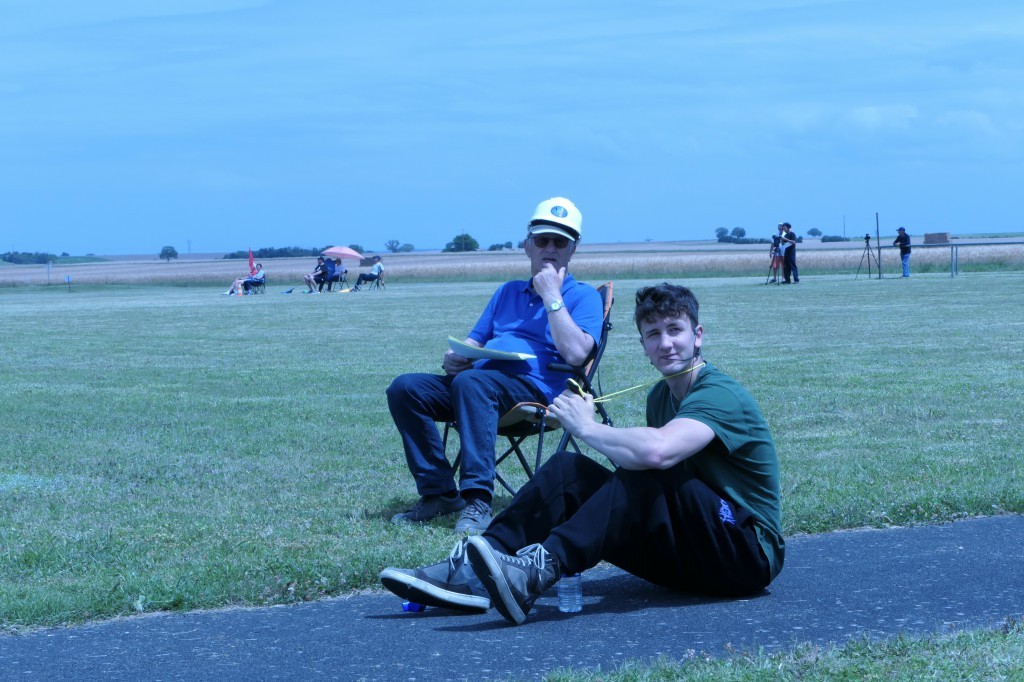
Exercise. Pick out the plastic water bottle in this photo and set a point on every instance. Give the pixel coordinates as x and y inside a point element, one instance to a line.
<point>570,593</point>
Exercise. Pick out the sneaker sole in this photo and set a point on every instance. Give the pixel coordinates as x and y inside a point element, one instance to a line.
<point>413,589</point>
<point>488,569</point>
<point>472,528</point>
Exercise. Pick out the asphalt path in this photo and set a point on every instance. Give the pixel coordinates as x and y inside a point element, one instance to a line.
<point>835,586</point>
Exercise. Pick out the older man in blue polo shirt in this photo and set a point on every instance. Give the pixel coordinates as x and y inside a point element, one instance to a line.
<point>550,316</point>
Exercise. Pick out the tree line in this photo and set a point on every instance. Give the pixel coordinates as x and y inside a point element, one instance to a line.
<point>26,258</point>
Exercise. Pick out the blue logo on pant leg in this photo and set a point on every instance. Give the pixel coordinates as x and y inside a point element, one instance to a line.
<point>725,513</point>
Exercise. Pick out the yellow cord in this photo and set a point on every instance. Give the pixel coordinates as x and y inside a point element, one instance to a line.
<point>617,394</point>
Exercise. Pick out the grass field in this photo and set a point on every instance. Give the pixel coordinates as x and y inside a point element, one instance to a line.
<point>171,448</point>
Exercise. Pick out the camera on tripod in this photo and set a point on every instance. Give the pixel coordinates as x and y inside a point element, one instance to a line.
<point>867,239</point>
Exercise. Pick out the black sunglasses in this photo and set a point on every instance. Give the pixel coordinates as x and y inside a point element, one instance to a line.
<point>542,241</point>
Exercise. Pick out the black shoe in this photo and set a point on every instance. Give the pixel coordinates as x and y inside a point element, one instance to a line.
<point>513,582</point>
<point>429,507</point>
<point>451,584</point>
<point>475,517</point>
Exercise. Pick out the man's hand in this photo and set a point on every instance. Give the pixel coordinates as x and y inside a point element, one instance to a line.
<point>548,283</point>
<point>453,363</point>
<point>574,412</point>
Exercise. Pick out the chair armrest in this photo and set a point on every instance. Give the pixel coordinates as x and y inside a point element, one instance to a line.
<point>571,369</point>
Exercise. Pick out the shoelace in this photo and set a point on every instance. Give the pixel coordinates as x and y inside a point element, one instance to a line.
<point>532,555</point>
<point>475,510</point>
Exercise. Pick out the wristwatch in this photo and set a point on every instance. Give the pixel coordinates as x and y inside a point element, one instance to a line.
<point>555,307</point>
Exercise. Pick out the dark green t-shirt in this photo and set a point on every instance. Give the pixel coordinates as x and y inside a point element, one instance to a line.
<point>741,463</point>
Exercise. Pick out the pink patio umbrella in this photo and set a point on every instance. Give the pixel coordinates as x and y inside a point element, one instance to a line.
<point>342,252</point>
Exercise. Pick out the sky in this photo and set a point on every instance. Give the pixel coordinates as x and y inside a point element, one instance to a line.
<point>218,125</point>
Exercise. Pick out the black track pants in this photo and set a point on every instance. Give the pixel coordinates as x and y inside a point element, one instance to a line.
<point>664,526</point>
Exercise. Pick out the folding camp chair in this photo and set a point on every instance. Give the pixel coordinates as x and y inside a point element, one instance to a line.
<point>377,283</point>
<point>527,420</point>
<point>340,278</point>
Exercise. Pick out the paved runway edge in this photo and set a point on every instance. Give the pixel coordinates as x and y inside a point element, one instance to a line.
<point>919,580</point>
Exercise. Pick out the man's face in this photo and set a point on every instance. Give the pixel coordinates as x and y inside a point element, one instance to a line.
<point>670,343</point>
<point>549,248</point>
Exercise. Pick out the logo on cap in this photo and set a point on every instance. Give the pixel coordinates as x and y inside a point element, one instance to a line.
<point>559,212</point>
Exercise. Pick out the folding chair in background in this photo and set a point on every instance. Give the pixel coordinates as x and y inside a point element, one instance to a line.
<point>528,420</point>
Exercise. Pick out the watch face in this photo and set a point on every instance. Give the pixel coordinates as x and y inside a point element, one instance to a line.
<point>557,305</point>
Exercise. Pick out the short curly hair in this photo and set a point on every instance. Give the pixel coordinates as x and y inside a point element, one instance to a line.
<point>664,301</point>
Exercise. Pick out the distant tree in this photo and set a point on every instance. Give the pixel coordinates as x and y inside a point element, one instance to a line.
<point>65,254</point>
<point>167,253</point>
<point>814,232</point>
<point>462,242</point>
<point>834,238</point>
<point>406,248</point>
<point>392,245</point>
<point>739,232</point>
<point>356,247</point>
<point>721,232</point>
<point>495,247</point>
<point>508,245</point>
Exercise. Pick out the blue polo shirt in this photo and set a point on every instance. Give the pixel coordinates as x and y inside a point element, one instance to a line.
<point>515,320</point>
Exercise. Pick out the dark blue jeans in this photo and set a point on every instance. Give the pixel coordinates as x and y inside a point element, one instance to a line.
<point>474,399</point>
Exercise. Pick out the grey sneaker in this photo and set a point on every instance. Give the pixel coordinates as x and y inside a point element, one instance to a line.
<point>451,584</point>
<point>429,507</point>
<point>475,517</point>
<point>513,582</point>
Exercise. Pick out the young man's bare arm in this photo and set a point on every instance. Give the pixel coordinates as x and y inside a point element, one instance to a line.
<point>636,447</point>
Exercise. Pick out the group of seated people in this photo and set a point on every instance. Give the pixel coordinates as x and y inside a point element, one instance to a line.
<point>327,271</point>
<point>244,285</point>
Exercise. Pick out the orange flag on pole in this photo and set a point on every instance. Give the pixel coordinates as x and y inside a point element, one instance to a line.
<point>252,265</point>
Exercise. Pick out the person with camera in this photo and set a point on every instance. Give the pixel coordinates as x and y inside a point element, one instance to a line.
<point>903,241</point>
<point>775,253</point>
<point>789,254</point>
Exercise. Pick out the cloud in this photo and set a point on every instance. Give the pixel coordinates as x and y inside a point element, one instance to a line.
<point>969,121</point>
<point>883,117</point>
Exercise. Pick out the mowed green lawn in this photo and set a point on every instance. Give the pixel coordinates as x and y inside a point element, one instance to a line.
<point>171,448</point>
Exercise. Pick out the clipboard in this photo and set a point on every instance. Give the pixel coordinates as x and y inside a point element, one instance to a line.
<point>474,353</point>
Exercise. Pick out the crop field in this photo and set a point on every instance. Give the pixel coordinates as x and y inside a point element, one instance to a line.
<point>171,448</point>
<point>623,261</point>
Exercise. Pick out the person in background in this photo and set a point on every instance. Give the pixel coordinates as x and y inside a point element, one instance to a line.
<point>340,275</point>
<point>375,273</point>
<point>789,255</point>
<point>314,279</point>
<point>243,284</point>
<point>903,241</point>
